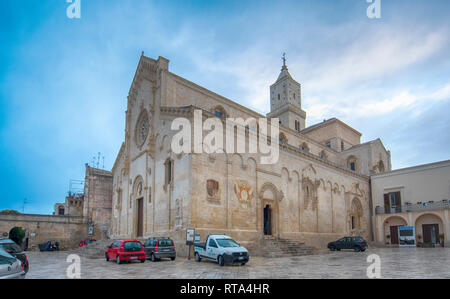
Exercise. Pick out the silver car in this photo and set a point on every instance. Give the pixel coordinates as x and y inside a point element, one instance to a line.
<point>10,267</point>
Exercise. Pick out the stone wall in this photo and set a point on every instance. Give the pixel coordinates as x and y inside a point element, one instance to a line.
<point>67,230</point>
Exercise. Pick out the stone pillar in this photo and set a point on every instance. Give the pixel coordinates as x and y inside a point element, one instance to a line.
<point>446,228</point>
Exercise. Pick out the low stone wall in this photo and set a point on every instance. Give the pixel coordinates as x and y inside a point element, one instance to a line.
<point>67,230</point>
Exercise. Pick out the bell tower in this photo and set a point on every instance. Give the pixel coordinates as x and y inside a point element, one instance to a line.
<point>286,100</point>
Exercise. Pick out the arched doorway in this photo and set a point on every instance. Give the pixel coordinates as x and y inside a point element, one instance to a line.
<point>267,220</point>
<point>138,194</point>
<point>429,226</point>
<point>268,210</point>
<point>391,226</point>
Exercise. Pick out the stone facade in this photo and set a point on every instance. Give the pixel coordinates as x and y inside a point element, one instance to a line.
<point>67,230</point>
<point>311,194</point>
<point>72,219</point>
<point>97,203</point>
<point>423,194</point>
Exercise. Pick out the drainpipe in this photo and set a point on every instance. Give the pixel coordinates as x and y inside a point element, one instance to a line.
<point>372,236</point>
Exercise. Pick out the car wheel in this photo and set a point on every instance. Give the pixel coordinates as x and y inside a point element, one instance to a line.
<point>243,264</point>
<point>26,267</point>
<point>172,258</point>
<point>357,249</point>
<point>332,248</point>
<point>106,257</point>
<point>118,260</point>
<point>142,260</point>
<point>221,261</point>
<point>363,249</point>
<point>153,258</point>
<point>197,257</point>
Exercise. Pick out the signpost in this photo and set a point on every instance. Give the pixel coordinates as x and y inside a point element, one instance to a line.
<point>190,232</point>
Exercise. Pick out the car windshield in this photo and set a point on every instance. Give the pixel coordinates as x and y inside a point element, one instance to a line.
<point>10,247</point>
<point>132,246</point>
<point>165,243</point>
<point>227,243</point>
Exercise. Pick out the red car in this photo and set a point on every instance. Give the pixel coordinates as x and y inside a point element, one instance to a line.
<point>125,250</point>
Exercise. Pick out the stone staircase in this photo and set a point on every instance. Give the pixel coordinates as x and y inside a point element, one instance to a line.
<point>94,250</point>
<point>278,247</point>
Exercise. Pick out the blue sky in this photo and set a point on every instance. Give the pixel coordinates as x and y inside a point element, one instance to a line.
<point>64,82</point>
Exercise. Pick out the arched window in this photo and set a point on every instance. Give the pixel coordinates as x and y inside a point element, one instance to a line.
<point>323,155</point>
<point>168,165</point>
<point>220,112</point>
<point>61,211</point>
<point>297,125</point>
<point>351,163</point>
<point>304,147</point>
<point>356,215</point>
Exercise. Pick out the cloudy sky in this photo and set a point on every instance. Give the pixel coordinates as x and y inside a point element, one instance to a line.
<point>64,82</point>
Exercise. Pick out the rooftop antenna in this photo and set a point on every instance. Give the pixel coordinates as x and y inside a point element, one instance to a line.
<point>103,163</point>
<point>98,160</point>
<point>25,202</point>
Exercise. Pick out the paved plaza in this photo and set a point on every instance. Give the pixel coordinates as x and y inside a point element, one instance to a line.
<point>395,263</point>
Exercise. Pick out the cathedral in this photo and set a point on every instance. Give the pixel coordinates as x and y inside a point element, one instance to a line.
<point>317,192</point>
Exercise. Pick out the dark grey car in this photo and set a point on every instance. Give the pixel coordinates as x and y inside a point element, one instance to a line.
<point>158,248</point>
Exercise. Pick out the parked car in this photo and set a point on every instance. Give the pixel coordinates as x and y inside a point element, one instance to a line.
<point>12,248</point>
<point>355,243</point>
<point>158,248</point>
<point>86,242</point>
<point>125,251</point>
<point>10,266</point>
<point>222,249</point>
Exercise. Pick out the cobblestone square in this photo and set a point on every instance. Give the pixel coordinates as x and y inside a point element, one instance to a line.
<point>395,263</point>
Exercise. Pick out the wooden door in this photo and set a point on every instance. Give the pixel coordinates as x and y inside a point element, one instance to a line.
<point>394,234</point>
<point>430,233</point>
<point>140,216</point>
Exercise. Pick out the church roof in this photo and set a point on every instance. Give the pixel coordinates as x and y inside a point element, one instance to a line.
<point>284,74</point>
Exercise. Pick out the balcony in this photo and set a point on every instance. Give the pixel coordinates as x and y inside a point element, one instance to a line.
<point>418,207</point>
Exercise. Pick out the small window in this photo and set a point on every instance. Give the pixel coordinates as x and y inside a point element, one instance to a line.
<point>169,171</point>
<point>278,97</point>
<point>329,144</point>
<point>342,146</point>
<point>352,166</point>
<point>61,211</point>
<point>218,114</point>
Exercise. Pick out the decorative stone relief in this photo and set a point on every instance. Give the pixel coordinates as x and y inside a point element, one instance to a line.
<point>310,194</point>
<point>179,213</point>
<point>243,191</point>
<point>213,190</point>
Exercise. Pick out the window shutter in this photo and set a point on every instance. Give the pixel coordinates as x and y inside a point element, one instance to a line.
<point>387,205</point>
